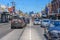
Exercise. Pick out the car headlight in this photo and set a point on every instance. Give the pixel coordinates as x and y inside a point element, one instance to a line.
<point>51,25</point>
<point>47,25</point>
<point>53,33</point>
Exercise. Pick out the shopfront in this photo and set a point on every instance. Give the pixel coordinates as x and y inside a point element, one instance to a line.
<point>4,17</point>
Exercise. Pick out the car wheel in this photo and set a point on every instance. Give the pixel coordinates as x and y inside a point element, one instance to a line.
<point>41,26</point>
<point>12,27</point>
<point>25,25</point>
<point>45,36</point>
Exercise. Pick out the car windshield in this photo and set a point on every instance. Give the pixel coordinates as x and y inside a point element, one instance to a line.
<point>46,20</point>
<point>55,18</point>
<point>56,21</point>
<point>36,18</point>
<point>16,17</point>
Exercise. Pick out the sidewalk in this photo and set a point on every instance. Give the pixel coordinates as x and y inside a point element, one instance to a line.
<point>1,24</point>
<point>5,28</point>
<point>14,35</point>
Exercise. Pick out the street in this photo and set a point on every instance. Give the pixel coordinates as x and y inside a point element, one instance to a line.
<point>33,33</point>
<point>4,29</point>
<point>29,20</point>
<point>30,32</point>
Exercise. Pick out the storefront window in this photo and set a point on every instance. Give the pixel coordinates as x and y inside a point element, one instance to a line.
<point>59,17</point>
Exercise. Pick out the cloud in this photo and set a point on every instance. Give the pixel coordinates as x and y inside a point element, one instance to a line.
<point>3,6</point>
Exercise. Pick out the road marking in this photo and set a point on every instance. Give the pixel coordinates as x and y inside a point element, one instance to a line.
<point>30,33</point>
<point>31,23</point>
<point>21,34</point>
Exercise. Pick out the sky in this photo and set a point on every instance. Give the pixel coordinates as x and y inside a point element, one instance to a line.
<point>27,5</point>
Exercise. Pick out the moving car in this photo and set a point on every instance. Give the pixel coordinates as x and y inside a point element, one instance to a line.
<point>17,22</point>
<point>37,21</point>
<point>27,20</point>
<point>45,23</point>
<point>53,31</point>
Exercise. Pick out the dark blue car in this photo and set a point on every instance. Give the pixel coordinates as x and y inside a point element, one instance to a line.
<point>53,31</point>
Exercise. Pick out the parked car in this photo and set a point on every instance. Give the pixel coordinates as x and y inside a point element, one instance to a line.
<point>17,22</point>
<point>37,21</point>
<point>53,31</point>
<point>27,20</point>
<point>45,23</point>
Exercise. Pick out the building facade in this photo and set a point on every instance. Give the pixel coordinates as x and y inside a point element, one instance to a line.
<point>55,6</point>
<point>49,9</point>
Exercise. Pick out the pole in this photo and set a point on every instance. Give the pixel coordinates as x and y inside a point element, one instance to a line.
<point>58,8</point>
<point>13,5</point>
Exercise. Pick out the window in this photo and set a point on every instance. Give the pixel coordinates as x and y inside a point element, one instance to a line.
<point>58,17</point>
<point>53,17</point>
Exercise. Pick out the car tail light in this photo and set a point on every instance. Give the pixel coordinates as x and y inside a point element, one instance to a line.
<point>20,21</point>
<point>12,20</point>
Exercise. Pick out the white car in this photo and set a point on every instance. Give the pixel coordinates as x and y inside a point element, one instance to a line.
<point>45,23</point>
<point>37,21</point>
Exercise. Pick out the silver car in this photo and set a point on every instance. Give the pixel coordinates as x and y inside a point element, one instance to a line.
<point>37,21</point>
<point>45,23</point>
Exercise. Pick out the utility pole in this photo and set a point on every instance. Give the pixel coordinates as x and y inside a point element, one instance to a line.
<point>7,6</point>
<point>58,9</point>
<point>13,6</point>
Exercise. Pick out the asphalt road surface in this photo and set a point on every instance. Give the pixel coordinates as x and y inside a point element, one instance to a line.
<point>33,33</point>
<point>30,32</point>
<point>5,28</point>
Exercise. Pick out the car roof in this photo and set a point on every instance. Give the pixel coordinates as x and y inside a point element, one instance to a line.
<point>55,20</point>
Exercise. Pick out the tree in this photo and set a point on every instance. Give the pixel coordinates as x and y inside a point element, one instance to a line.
<point>20,12</point>
<point>30,13</point>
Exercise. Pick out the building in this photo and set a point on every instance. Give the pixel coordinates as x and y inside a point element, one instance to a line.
<point>56,7</point>
<point>49,9</point>
<point>53,8</point>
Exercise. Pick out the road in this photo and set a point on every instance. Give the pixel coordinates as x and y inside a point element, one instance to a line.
<point>33,33</point>
<point>30,32</point>
<point>4,29</point>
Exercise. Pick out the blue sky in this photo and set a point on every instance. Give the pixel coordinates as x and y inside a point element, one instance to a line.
<point>28,5</point>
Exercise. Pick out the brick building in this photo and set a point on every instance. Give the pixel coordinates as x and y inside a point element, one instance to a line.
<point>55,6</point>
<point>49,9</point>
